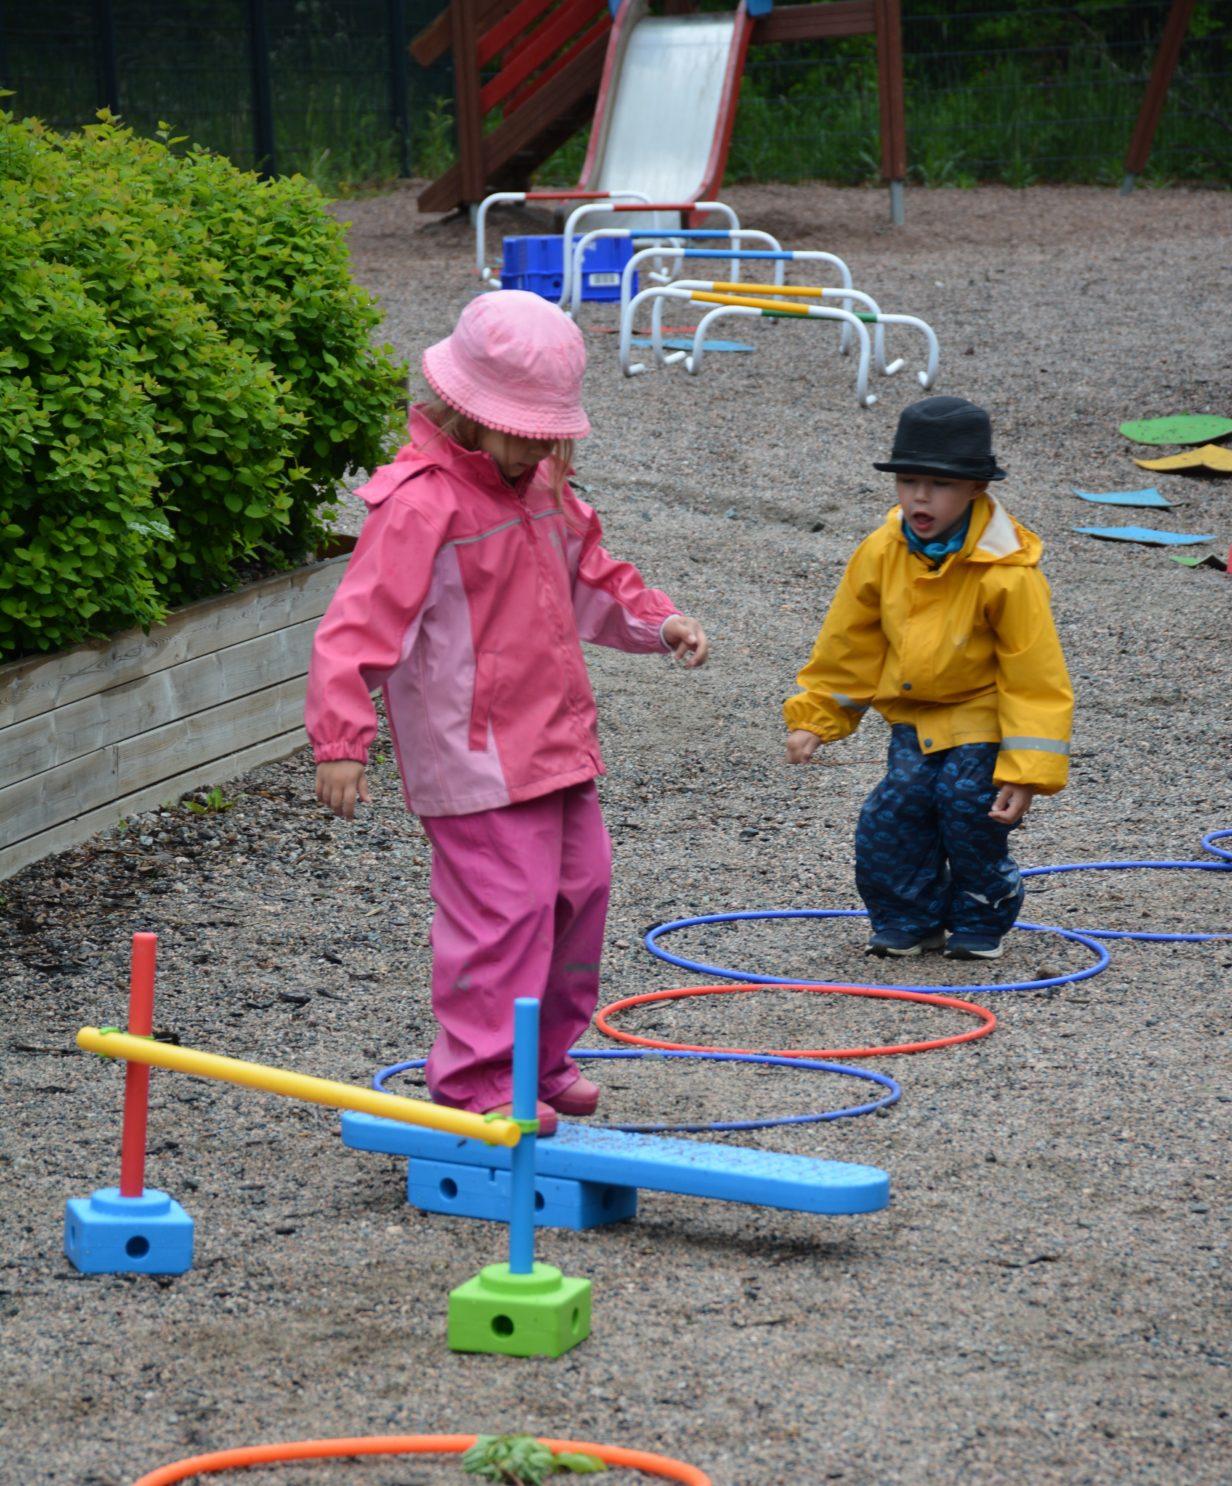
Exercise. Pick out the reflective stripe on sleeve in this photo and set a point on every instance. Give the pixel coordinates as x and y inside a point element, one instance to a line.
<point>844,701</point>
<point>1040,745</point>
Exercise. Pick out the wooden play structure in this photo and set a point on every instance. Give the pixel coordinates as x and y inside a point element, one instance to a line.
<point>529,73</point>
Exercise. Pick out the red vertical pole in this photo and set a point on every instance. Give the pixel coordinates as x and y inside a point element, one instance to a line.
<point>137,1075</point>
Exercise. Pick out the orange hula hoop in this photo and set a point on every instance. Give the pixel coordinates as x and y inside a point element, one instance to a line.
<point>986,1018</point>
<point>662,1466</point>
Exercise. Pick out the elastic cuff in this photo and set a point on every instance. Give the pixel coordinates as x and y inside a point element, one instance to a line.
<point>675,614</point>
<point>330,753</point>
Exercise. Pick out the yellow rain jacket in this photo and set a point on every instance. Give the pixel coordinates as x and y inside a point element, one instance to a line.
<point>965,653</point>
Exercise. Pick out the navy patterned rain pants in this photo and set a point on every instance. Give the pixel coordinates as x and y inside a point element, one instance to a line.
<point>927,855</point>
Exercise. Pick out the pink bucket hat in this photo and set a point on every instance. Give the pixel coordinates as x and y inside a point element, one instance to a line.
<point>514,363</point>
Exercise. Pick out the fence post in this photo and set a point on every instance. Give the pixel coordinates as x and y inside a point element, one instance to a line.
<point>463,42</point>
<point>109,84</point>
<point>262,103</point>
<point>1143,137</point>
<point>889,23</point>
<point>397,82</point>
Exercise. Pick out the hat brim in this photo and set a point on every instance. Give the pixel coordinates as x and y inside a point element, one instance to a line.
<point>946,471</point>
<point>450,383</point>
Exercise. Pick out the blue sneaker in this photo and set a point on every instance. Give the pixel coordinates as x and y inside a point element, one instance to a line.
<point>900,945</point>
<point>972,947</point>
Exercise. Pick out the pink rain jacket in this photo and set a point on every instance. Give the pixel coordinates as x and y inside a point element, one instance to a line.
<point>465,600</point>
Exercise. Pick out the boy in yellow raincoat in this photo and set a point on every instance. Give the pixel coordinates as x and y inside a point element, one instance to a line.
<point>942,624</point>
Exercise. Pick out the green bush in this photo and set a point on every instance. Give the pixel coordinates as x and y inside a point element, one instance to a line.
<point>186,372</point>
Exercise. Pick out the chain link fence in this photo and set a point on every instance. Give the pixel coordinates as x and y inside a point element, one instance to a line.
<point>1014,93</point>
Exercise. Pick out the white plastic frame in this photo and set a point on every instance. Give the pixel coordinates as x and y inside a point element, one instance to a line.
<point>849,296</point>
<point>587,207</point>
<point>498,198</point>
<point>662,248</point>
<point>804,255</point>
<point>660,294</point>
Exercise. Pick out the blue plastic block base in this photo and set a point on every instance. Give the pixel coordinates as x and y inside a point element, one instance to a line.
<point>109,1234</point>
<point>536,264</point>
<point>483,1192</point>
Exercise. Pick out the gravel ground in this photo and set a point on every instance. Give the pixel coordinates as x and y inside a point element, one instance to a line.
<point>1043,1300</point>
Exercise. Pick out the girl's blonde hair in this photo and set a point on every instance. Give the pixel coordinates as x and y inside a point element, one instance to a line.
<point>465,431</point>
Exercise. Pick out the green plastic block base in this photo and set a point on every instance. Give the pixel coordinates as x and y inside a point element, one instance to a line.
<point>521,1315</point>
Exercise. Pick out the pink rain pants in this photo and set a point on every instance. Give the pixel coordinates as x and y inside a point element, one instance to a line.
<point>521,900</point>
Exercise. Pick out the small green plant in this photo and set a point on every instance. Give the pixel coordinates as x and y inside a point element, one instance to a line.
<point>520,1460</point>
<point>214,803</point>
<point>434,146</point>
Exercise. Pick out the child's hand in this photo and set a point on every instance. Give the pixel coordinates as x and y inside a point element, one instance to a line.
<point>340,783</point>
<point>801,746</point>
<point>1012,803</point>
<point>683,635</point>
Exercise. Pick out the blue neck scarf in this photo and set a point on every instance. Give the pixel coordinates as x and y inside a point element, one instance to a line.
<point>940,547</point>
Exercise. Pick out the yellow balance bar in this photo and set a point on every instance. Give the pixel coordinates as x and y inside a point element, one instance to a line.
<point>801,291</point>
<point>780,306</point>
<point>298,1086</point>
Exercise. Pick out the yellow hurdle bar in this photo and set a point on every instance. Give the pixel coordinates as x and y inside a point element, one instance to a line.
<point>298,1086</point>
<point>801,291</point>
<point>780,306</point>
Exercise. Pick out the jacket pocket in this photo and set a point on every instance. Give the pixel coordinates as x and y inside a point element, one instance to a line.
<point>481,702</point>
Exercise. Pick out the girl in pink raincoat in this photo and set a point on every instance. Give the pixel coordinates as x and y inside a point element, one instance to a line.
<point>476,578</point>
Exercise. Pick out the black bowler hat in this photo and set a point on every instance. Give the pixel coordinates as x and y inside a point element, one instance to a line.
<point>943,436</point>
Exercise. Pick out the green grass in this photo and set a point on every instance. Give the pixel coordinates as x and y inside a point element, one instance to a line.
<point>822,123</point>
<point>805,114</point>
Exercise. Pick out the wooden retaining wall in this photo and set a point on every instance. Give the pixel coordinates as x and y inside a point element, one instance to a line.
<point>106,730</point>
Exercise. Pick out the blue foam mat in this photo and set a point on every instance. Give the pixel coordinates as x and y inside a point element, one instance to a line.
<point>1146,534</point>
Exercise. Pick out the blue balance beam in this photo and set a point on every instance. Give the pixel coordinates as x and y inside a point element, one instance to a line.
<point>614,1159</point>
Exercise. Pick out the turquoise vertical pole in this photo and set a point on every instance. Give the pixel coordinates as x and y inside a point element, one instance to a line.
<point>522,1157</point>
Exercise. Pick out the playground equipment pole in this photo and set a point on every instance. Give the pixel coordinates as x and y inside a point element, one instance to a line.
<point>522,1158</point>
<point>521,1309</point>
<point>137,1075</point>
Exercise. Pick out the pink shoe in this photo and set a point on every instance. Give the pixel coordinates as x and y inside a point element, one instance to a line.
<point>545,1114</point>
<point>581,1097</point>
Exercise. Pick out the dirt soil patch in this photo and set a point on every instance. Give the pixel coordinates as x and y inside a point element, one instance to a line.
<point>1042,1301</point>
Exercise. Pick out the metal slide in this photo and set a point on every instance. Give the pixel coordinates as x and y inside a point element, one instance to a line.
<point>666,106</point>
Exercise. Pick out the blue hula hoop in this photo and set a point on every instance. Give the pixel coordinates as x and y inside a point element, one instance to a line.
<point>1089,938</point>
<point>720,1126</point>
<point>727,973</point>
<point>1145,936</point>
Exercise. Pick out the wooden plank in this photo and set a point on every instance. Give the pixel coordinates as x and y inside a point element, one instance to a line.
<point>118,769</point>
<point>467,114</point>
<point>431,44</point>
<point>890,90</point>
<point>29,748</point>
<point>81,827</point>
<point>572,17</point>
<point>816,22</point>
<point>601,22</point>
<point>28,687</point>
<point>521,131</point>
<point>516,24</point>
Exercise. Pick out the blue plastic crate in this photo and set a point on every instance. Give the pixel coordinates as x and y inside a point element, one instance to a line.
<point>535,264</point>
